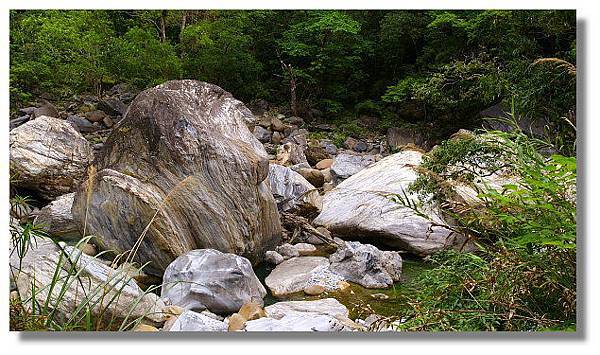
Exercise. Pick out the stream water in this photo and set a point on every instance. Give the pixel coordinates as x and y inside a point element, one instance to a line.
<point>359,300</point>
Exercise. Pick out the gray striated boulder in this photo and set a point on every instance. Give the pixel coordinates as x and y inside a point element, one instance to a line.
<point>292,192</point>
<point>57,220</point>
<point>48,155</point>
<point>362,206</point>
<point>96,281</point>
<point>298,273</point>
<point>366,265</point>
<point>190,321</point>
<point>182,169</point>
<point>209,279</point>
<point>345,165</point>
<point>326,306</point>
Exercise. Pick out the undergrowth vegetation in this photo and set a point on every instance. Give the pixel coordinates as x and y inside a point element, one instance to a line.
<point>521,274</point>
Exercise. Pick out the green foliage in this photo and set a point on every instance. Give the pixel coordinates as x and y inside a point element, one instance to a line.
<point>58,52</point>
<point>368,107</point>
<point>500,289</point>
<point>457,90</point>
<point>465,61</point>
<point>326,51</point>
<point>439,66</point>
<point>139,58</point>
<point>220,51</point>
<point>523,274</point>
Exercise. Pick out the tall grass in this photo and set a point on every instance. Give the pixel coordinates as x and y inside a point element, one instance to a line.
<point>44,305</point>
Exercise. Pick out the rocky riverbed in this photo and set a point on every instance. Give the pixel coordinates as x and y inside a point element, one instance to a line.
<point>219,218</point>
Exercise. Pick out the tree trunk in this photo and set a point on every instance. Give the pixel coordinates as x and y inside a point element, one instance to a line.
<point>163,26</point>
<point>292,78</point>
<point>183,23</point>
<point>293,104</point>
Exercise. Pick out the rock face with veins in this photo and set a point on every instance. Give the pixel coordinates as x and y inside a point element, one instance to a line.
<point>362,206</point>
<point>48,155</point>
<point>56,218</point>
<point>293,192</point>
<point>111,293</point>
<point>181,171</point>
<point>208,279</point>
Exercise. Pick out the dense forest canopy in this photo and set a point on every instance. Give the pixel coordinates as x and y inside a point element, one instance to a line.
<point>437,67</point>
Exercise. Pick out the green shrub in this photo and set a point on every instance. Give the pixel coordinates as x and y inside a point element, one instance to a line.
<point>523,274</point>
<point>495,289</point>
<point>368,107</point>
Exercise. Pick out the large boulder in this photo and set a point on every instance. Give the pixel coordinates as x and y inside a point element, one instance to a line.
<point>292,192</point>
<point>366,265</point>
<point>296,274</point>
<point>181,171</point>
<point>345,165</point>
<point>57,220</point>
<point>110,293</point>
<point>363,206</point>
<point>209,279</point>
<point>48,155</point>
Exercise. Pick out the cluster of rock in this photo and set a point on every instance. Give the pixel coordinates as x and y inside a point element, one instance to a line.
<point>90,115</point>
<point>194,186</point>
<point>64,278</point>
<point>354,262</point>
